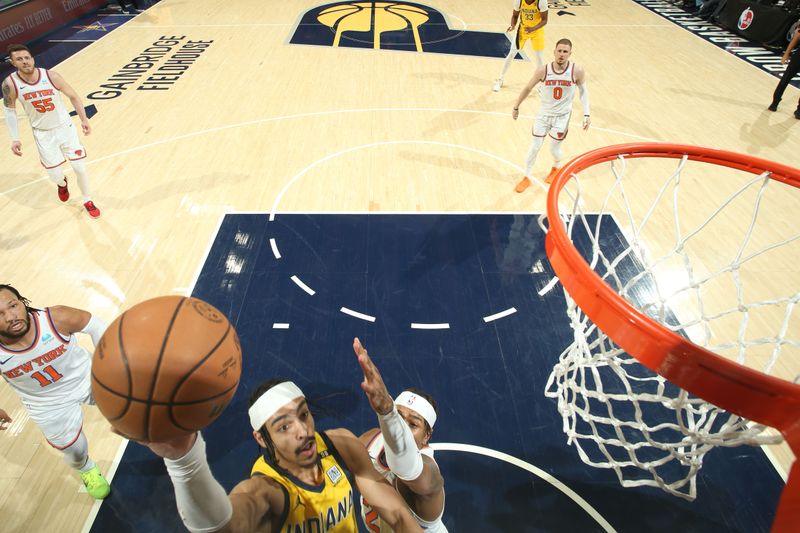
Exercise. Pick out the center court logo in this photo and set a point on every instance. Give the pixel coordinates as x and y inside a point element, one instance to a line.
<point>404,26</point>
<point>745,19</point>
<point>377,17</point>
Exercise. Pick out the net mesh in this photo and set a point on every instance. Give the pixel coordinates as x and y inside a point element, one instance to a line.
<point>699,273</point>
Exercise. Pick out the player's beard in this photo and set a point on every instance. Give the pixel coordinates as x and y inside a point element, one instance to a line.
<point>14,335</point>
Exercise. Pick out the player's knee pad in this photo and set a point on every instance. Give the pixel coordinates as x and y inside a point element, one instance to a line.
<point>77,453</point>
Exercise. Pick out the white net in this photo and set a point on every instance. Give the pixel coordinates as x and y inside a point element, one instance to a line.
<point>713,256</point>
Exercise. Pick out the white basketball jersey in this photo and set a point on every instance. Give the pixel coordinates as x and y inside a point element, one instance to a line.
<point>369,516</point>
<point>52,371</point>
<point>558,91</point>
<point>41,101</point>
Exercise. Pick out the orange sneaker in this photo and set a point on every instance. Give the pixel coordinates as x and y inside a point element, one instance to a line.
<point>522,185</point>
<point>550,177</point>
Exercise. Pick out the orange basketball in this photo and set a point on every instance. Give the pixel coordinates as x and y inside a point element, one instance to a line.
<point>166,367</point>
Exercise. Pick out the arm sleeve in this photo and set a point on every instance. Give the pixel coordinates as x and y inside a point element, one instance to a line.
<point>95,329</point>
<point>402,454</point>
<point>584,90</point>
<point>202,502</point>
<point>11,122</point>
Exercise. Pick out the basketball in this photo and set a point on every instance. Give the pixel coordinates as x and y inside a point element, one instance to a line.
<point>166,367</point>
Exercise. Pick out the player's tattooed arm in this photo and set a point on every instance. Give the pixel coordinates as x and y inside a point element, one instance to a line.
<point>9,99</point>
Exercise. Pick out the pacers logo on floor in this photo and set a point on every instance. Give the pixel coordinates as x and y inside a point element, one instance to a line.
<point>393,26</point>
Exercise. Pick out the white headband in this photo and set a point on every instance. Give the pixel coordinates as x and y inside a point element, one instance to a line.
<point>271,401</point>
<point>418,404</point>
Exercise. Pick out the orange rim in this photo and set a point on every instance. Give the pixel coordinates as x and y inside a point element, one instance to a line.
<point>746,392</point>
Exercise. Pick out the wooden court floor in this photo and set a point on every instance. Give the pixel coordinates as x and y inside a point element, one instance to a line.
<point>256,124</point>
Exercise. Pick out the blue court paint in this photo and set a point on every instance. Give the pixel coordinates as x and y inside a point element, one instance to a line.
<point>488,378</point>
<point>424,29</point>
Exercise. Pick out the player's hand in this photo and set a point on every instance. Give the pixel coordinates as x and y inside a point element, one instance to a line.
<point>4,419</point>
<point>784,59</point>
<point>509,29</point>
<point>16,147</point>
<point>170,449</point>
<point>373,385</point>
<point>515,113</point>
<point>586,123</point>
<point>87,129</point>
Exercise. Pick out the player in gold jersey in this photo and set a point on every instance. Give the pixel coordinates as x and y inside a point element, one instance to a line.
<point>532,17</point>
<point>301,483</point>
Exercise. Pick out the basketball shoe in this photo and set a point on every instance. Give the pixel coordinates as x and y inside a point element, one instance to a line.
<point>498,83</point>
<point>96,485</point>
<point>522,185</point>
<point>94,212</point>
<point>773,106</point>
<point>63,191</point>
<point>550,177</point>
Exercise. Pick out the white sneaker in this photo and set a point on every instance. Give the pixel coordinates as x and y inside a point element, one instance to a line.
<point>497,84</point>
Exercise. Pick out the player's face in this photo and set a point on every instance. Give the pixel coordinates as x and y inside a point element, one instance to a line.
<point>23,61</point>
<point>562,53</point>
<point>14,319</point>
<point>417,425</point>
<point>291,429</point>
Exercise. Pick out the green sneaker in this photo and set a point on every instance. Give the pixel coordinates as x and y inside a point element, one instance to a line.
<point>96,485</point>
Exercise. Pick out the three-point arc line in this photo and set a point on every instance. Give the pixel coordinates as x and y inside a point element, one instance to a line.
<point>356,314</point>
<point>274,246</point>
<point>415,325</point>
<point>303,286</point>
<point>501,314</point>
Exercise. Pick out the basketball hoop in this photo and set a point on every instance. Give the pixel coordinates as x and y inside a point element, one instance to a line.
<point>603,393</point>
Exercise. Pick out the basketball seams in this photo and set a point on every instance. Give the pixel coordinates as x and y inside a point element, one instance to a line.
<point>149,401</point>
<point>125,361</point>
<point>191,371</point>
<point>187,403</point>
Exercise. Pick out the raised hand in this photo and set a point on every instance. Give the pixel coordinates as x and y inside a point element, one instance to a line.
<point>373,385</point>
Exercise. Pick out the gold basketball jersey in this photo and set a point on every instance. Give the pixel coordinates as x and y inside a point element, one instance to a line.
<point>327,507</point>
<point>530,14</point>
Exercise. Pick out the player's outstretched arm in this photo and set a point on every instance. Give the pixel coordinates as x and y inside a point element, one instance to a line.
<point>538,76</point>
<point>10,114</point>
<point>61,84</point>
<point>381,496</point>
<point>69,320</point>
<point>202,502</point>
<point>419,473</point>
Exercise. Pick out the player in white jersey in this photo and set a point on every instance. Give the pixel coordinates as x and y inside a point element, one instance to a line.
<point>56,139</point>
<point>532,17</point>
<point>559,79</point>
<point>42,361</point>
<point>399,449</point>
